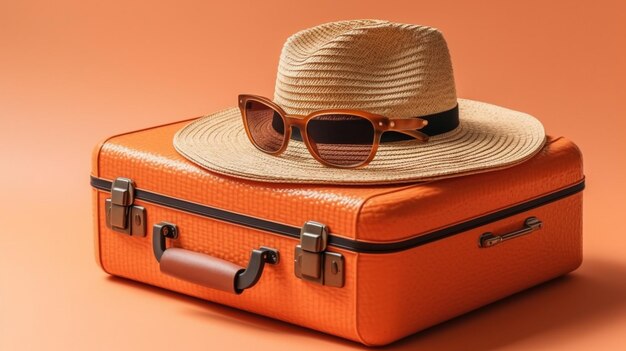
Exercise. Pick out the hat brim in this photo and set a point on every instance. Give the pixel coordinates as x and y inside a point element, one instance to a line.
<point>488,137</point>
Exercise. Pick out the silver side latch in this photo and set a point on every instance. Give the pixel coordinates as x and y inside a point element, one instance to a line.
<point>121,214</point>
<point>312,262</point>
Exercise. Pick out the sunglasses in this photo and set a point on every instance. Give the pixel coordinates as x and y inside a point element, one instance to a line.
<point>340,138</point>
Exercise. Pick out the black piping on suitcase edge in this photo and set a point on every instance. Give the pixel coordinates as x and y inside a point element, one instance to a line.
<point>348,244</point>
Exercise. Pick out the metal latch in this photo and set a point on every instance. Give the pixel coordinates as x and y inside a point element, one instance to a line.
<point>121,215</point>
<point>312,261</point>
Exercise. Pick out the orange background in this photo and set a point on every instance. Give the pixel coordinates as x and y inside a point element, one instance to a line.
<point>72,73</point>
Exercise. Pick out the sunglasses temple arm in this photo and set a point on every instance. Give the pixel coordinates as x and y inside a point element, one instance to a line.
<point>415,134</point>
<point>409,126</point>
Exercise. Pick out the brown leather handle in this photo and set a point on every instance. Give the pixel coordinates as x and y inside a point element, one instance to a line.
<point>205,270</point>
<point>200,269</point>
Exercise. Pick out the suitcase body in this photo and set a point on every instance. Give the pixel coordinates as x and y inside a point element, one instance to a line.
<point>368,263</point>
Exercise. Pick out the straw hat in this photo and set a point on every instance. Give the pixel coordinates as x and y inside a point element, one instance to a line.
<point>396,70</point>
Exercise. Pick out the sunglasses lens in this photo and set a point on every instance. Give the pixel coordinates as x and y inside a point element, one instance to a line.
<point>265,125</point>
<point>341,140</point>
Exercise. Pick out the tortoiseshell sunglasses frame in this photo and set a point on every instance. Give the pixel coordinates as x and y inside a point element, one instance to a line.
<point>381,124</point>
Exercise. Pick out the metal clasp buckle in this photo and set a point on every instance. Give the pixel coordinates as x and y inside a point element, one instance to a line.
<point>312,261</point>
<point>121,215</point>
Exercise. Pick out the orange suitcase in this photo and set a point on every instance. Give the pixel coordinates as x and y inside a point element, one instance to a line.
<point>368,263</point>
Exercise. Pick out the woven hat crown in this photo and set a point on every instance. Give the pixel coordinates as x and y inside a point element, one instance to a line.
<point>395,70</point>
<point>392,69</point>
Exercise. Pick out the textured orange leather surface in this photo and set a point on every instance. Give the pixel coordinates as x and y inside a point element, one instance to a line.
<point>278,293</point>
<point>386,296</point>
<point>440,280</point>
<point>438,204</point>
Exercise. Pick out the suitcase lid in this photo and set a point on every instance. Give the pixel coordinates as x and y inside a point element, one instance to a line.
<point>374,218</point>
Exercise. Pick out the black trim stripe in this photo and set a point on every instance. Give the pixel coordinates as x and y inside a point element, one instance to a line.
<point>348,244</point>
<point>205,211</point>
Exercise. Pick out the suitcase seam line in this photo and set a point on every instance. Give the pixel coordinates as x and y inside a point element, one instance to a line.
<point>352,245</point>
